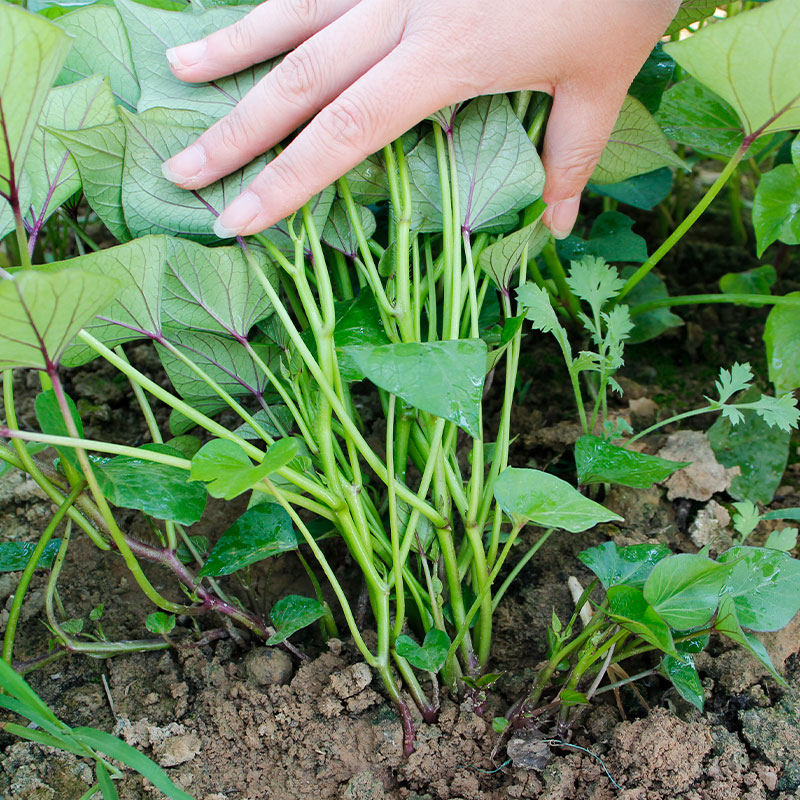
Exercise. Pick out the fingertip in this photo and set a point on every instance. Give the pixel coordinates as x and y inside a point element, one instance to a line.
<point>560,217</point>
<point>186,56</point>
<point>241,217</point>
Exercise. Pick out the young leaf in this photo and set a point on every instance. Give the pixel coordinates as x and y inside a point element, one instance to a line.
<point>100,47</point>
<point>430,656</point>
<point>637,145</point>
<point>776,207</point>
<point>159,490</point>
<point>14,556</point>
<point>611,238</point>
<point>746,517</point>
<point>628,607</point>
<point>736,380</point>
<point>213,289</point>
<point>630,565</point>
<point>51,421</point>
<point>263,531</point>
<point>544,499</point>
<point>727,623</point>
<point>499,171</point>
<point>292,613</point>
<point>682,673</point>
<point>778,412</point>
<point>758,280</point>
<point>107,788</point>
<point>759,450</point>
<point>152,30</point>
<point>99,153</point>
<point>228,470</point>
<point>594,281</point>
<point>785,539</point>
<point>684,589</point>
<point>40,314</point>
<point>750,60</point>
<point>782,338</point>
<point>32,51</point>
<point>339,233</point>
<point>159,622</point>
<point>501,259</point>
<point>539,310</point>
<point>765,586</point>
<point>443,378</point>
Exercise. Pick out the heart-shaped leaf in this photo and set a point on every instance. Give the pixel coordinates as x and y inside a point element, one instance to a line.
<point>682,672</point>
<point>430,656</point>
<point>628,607</point>
<point>291,613</point>
<point>14,556</point>
<point>630,565</point>
<point>502,259</point>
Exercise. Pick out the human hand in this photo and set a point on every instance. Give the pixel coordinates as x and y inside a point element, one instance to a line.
<point>368,70</point>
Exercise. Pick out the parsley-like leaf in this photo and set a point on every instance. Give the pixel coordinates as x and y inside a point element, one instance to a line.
<point>594,281</point>
<point>736,380</point>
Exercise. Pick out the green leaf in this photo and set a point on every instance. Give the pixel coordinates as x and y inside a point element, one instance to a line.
<point>32,51</point>
<point>99,153</point>
<point>120,751</point>
<point>443,378</point>
<point>652,323</point>
<point>134,310</point>
<point>682,673</point>
<point>544,499</point>
<point>727,623</point>
<point>765,586</point>
<point>693,115</point>
<point>213,289</point>
<point>599,461</point>
<point>746,517</point>
<point>691,11</point>
<point>51,421</point>
<point>653,78</point>
<point>630,565</point>
<point>572,697</point>
<point>499,170</point>
<point>200,543</point>
<point>14,556</point>
<point>750,61</point>
<point>733,381</point>
<point>18,688</point>
<point>539,310</point>
<point>641,191</point>
<point>758,280</point>
<point>100,47</point>
<point>160,623</point>
<point>637,145</point>
<point>684,589</point>
<point>776,207</point>
<point>502,259</point>
<point>151,31</point>
<point>159,490</point>
<point>107,788</point>
<point>785,539</point>
<point>594,281</point>
<point>291,613</point>
<point>358,323</point>
<point>262,532</point>
<point>339,233</point>
<point>430,656</point>
<point>783,513</point>
<point>628,607</point>
<point>611,238</point>
<point>228,470</point>
<point>782,338</point>
<point>760,451</point>
<point>265,420</point>
<point>40,314</point>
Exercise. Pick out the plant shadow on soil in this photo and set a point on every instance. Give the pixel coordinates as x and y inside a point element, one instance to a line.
<point>234,721</point>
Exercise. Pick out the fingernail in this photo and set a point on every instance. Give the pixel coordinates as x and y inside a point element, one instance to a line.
<point>563,215</point>
<point>238,215</point>
<point>186,55</point>
<point>185,165</point>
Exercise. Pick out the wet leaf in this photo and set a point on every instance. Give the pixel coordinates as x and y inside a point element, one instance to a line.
<point>32,51</point>
<point>750,61</point>
<point>40,314</point>
<point>544,499</point>
<point>430,656</point>
<point>727,623</point>
<point>358,323</point>
<point>292,613</point>
<point>776,207</point>
<point>14,556</point>
<point>599,461</point>
<point>628,607</point>
<point>782,338</point>
<point>765,586</point>
<point>228,470</point>
<point>100,47</point>
<point>263,531</point>
<point>630,565</point>
<point>637,145</point>
<point>682,673</point>
<point>442,378</point>
<point>653,78</point>
<point>159,490</point>
<point>684,589</point>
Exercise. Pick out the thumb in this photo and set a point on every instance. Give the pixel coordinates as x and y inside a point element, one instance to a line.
<point>578,129</point>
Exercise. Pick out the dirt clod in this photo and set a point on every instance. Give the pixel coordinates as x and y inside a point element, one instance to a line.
<point>268,666</point>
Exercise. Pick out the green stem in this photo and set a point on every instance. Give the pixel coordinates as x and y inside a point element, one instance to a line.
<point>697,299</point>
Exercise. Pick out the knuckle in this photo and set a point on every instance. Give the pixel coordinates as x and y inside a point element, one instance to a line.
<point>231,132</point>
<point>303,12</point>
<point>347,122</point>
<point>242,35</point>
<point>298,76</point>
<point>581,160</point>
<point>285,180</point>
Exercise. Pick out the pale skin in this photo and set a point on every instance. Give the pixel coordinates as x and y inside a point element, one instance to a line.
<point>362,72</point>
